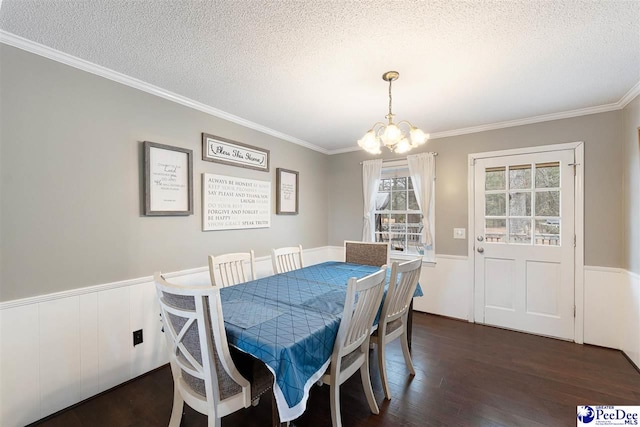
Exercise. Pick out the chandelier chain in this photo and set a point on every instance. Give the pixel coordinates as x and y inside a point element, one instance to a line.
<point>390,113</point>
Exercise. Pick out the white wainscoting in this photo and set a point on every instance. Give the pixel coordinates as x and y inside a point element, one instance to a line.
<point>612,310</point>
<point>59,349</point>
<point>630,321</point>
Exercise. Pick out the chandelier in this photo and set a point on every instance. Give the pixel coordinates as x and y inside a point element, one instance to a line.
<point>391,135</point>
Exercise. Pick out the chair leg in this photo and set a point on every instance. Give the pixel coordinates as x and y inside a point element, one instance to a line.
<point>214,421</point>
<point>176,411</point>
<point>406,352</point>
<point>334,394</point>
<point>366,384</point>
<point>382,365</point>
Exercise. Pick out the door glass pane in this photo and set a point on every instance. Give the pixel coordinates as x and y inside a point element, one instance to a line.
<point>548,175</point>
<point>547,203</point>
<point>548,232</point>
<point>495,230</point>
<point>519,231</point>
<point>519,177</point>
<point>496,204</point>
<point>494,178</point>
<point>520,204</point>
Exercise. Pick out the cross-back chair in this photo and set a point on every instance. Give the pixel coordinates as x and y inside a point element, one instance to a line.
<point>394,315</point>
<point>205,376</point>
<point>367,253</point>
<point>351,348</point>
<point>286,259</point>
<point>231,268</point>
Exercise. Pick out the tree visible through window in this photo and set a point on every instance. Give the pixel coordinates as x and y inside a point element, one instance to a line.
<point>522,204</point>
<point>398,216</point>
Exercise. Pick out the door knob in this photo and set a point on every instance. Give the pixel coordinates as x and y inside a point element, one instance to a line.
<point>480,238</point>
<point>480,249</point>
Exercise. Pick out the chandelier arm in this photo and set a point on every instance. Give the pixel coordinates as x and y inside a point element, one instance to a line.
<point>378,124</point>
<point>406,122</point>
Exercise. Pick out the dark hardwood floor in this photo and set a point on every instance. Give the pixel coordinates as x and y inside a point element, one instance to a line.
<point>466,375</point>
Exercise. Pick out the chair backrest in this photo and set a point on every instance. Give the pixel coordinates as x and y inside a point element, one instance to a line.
<point>286,259</point>
<point>358,316</point>
<point>201,364</point>
<point>367,253</point>
<point>231,268</point>
<point>403,283</point>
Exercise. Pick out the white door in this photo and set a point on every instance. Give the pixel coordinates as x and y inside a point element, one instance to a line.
<point>524,242</point>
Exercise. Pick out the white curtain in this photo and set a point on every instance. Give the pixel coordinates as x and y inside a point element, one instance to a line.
<point>422,168</point>
<point>371,170</point>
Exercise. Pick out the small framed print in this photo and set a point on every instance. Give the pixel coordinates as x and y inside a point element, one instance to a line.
<point>287,192</point>
<point>168,180</point>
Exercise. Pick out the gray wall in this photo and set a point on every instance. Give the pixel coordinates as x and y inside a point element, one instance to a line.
<point>71,182</point>
<point>632,185</point>
<point>601,133</point>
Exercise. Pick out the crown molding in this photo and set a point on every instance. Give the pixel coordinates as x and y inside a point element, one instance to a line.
<point>81,64</point>
<point>628,97</point>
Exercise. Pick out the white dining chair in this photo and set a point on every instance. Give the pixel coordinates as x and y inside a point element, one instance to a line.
<point>394,315</point>
<point>351,348</point>
<point>367,253</point>
<point>230,269</point>
<point>205,376</point>
<point>286,259</point>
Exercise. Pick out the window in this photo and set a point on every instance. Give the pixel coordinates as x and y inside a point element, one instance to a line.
<point>522,204</point>
<point>398,216</point>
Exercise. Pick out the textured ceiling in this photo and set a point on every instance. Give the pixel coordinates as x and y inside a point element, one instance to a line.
<point>312,69</point>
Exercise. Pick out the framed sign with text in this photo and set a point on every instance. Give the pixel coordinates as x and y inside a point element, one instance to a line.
<point>231,203</point>
<point>286,192</point>
<point>168,180</point>
<point>228,152</point>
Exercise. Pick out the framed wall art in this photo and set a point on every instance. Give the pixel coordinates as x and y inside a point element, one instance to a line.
<point>286,192</point>
<point>168,180</point>
<point>228,152</point>
<point>231,203</point>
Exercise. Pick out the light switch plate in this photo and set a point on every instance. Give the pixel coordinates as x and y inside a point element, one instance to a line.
<point>459,233</point>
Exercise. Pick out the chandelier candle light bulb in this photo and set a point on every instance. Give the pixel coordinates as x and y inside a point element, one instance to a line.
<point>391,135</point>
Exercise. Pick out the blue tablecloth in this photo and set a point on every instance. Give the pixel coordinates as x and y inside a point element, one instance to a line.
<point>290,322</point>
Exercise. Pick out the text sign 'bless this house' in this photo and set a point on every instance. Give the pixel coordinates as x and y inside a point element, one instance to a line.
<point>222,150</point>
<point>230,203</point>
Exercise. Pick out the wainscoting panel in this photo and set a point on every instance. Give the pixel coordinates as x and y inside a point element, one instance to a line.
<point>114,337</point>
<point>58,349</point>
<point>89,354</point>
<point>60,365</point>
<point>446,286</point>
<point>604,289</point>
<point>145,314</point>
<point>630,322</point>
<point>19,365</point>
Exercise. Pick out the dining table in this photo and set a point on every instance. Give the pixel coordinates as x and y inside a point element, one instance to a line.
<point>290,322</point>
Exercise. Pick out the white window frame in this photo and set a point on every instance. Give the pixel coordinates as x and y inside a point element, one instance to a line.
<point>399,169</point>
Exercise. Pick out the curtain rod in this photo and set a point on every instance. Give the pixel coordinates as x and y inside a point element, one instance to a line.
<point>399,160</point>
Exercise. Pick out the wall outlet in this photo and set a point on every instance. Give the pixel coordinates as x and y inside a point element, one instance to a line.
<point>459,233</point>
<point>137,337</point>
